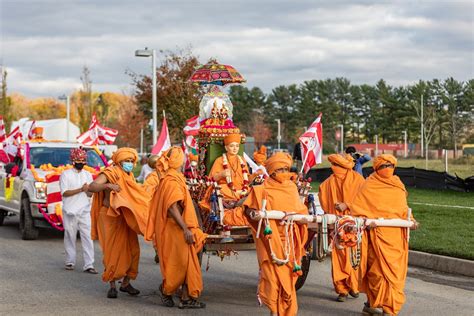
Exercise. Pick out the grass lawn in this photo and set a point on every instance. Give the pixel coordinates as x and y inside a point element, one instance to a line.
<point>443,230</point>
<point>462,170</point>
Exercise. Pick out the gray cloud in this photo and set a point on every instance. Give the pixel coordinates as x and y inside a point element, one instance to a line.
<point>44,44</point>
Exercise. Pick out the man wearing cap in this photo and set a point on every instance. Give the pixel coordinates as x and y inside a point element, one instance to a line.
<point>384,258</point>
<point>119,213</point>
<point>173,226</point>
<point>74,185</point>
<point>341,186</point>
<point>278,276</point>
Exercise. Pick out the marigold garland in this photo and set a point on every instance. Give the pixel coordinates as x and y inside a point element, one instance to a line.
<point>230,184</point>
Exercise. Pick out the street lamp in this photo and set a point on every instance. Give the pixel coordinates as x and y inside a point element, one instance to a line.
<point>342,137</point>
<point>151,53</point>
<point>405,146</point>
<point>278,136</point>
<point>66,97</point>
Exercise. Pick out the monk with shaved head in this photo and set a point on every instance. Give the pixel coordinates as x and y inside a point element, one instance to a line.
<point>118,215</point>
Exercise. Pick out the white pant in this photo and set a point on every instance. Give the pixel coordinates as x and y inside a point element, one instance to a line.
<point>71,224</point>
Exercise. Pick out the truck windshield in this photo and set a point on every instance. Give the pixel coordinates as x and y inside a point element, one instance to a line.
<point>60,157</point>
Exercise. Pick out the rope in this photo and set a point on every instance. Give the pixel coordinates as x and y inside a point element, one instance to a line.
<point>322,239</point>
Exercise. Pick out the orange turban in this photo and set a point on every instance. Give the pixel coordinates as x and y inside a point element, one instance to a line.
<point>345,162</point>
<point>38,131</point>
<point>172,158</point>
<point>277,161</point>
<point>383,159</point>
<point>261,155</point>
<point>193,157</point>
<point>232,138</point>
<point>152,160</point>
<point>124,154</point>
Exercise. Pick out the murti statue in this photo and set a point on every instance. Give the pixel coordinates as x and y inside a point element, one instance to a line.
<point>230,171</point>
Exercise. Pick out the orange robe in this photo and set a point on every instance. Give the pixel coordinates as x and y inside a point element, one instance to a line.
<point>384,258</point>
<point>151,182</point>
<point>341,187</point>
<point>179,262</point>
<point>116,227</point>
<point>234,217</point>
<point>276,286</point>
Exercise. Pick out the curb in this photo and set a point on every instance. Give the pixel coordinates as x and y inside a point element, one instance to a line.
<point>441,263</point>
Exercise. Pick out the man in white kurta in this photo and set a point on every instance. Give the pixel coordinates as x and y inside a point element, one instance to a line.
<point>74,184</point>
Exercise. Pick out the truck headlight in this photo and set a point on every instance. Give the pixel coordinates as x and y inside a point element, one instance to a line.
<point>40,188</point>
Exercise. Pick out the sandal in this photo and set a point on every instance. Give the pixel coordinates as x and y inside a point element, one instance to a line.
<point>341,298</point>
<point>167,300</point>
<point>112,293</point>
<point>191,303</point>
<point>371,310</point>
<point>130,290</point>
<point>354,294</point>
<point>69,266</point>
<point>91,271</point>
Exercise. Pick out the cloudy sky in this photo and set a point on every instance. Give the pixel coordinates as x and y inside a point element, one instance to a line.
<point>44,43</point>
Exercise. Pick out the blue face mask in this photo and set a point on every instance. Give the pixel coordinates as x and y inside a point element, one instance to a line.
<point>127,166</point>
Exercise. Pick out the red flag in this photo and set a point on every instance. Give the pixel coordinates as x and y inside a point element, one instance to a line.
<point>312,144</point>
<point>163,142</point>
<point>97,134</point>
<point>192,126</point>
<point>2,130</point>
<point>187,163</point>
<point>30,132</point>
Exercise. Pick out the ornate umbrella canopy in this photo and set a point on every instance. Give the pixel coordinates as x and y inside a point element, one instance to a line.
<point>216,74</point>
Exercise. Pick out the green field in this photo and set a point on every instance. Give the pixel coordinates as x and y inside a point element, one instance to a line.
<point>443,230</point>
<point>463,170</point>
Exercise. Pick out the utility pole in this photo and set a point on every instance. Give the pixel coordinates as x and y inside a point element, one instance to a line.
<point>342,137</point>
<point>279,131</point>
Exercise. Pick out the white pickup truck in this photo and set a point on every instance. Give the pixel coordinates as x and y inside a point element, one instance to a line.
<point>25,194</point>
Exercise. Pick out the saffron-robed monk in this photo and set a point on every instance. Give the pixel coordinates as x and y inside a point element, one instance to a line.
<point>119,213</point>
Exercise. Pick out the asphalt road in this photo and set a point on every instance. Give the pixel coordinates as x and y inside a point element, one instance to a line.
<point>33,281</point>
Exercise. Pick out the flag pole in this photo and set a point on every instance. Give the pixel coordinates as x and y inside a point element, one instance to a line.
<point>313,144</point>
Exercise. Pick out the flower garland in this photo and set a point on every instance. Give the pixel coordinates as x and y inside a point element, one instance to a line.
<point>230,184</point>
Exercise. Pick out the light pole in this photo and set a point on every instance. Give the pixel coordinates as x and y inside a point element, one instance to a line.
<point>405,142</point>
<point>151,53</point>
<point>278,136</point>
<point>68,111</point>
<point>422,127</point>
<point>342,137</point>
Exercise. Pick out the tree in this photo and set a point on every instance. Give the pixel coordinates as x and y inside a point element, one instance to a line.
<point>5,101</point>
<point>175,93</point>
<point>129,122</point>
<point>84,102</point>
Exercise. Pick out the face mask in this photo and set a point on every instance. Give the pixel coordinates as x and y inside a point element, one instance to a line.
<point>282,176</point>
<point>78,165</point>
<point>337,170</point>
<point>386,173</point>
<point>127,166</point>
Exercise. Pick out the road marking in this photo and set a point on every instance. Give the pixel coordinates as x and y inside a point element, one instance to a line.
<point>453,206</point>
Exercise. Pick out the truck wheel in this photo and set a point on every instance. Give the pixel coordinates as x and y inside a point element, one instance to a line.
<point>27,228</point>
<point>305,263</point>
<point>3,214</point>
